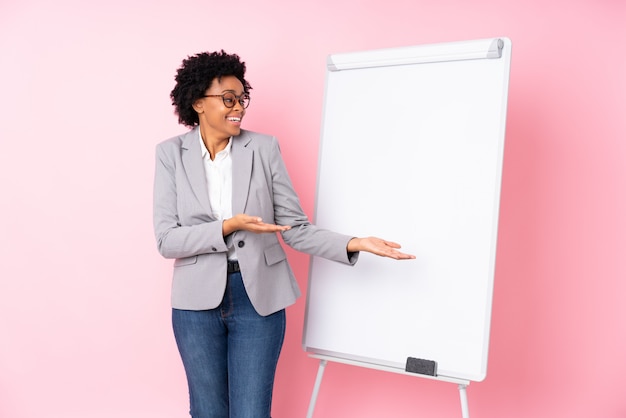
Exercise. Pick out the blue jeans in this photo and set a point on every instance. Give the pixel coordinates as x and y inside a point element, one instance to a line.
<point>230,355</point>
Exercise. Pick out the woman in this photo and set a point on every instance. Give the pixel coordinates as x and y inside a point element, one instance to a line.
<point>221,194</point>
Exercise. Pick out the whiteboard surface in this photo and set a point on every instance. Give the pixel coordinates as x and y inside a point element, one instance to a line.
<point>411,153</point>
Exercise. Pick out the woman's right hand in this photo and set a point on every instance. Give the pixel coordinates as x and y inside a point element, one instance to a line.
<point>243,222</point>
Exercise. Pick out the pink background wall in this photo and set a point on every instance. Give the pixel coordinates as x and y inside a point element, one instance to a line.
<point>84,296</point>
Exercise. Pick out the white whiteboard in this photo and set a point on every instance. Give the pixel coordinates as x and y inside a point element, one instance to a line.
<point>411,150</point>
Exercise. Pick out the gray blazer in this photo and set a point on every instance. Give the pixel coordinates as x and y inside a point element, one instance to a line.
<point>186,231</point>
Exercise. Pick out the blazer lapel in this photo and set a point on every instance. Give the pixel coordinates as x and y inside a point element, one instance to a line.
<point>194,167</point>
<point>242,171</point>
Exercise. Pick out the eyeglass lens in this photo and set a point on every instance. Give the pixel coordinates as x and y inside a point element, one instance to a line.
<point>229,100</point>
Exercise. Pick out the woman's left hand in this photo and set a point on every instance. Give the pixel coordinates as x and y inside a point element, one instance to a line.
<point>379,247</point>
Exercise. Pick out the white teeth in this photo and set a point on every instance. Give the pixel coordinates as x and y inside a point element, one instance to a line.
<point>235,119</point>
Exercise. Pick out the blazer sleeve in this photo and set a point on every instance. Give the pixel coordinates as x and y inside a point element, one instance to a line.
<point>185,234</point>
<point>303,236</point>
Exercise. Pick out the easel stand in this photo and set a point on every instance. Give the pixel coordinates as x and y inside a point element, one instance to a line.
<point>324,359</point>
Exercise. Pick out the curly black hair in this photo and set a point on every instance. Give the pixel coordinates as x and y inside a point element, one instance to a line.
<point>195,76</point>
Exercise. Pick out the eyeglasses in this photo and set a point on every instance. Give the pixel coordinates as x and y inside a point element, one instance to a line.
<point>230,98</point>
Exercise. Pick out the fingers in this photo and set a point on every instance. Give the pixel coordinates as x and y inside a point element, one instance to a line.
<point>391,244</point>
<point>386,248</point>
<point>403,256</point>
<point>256,224</point>
<point>397,255</point>
<point>262,227</point>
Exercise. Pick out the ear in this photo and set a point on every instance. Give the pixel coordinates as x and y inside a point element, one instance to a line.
<point>198,106</point>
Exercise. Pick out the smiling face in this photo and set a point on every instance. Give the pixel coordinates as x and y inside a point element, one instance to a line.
<point>218,122</point>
